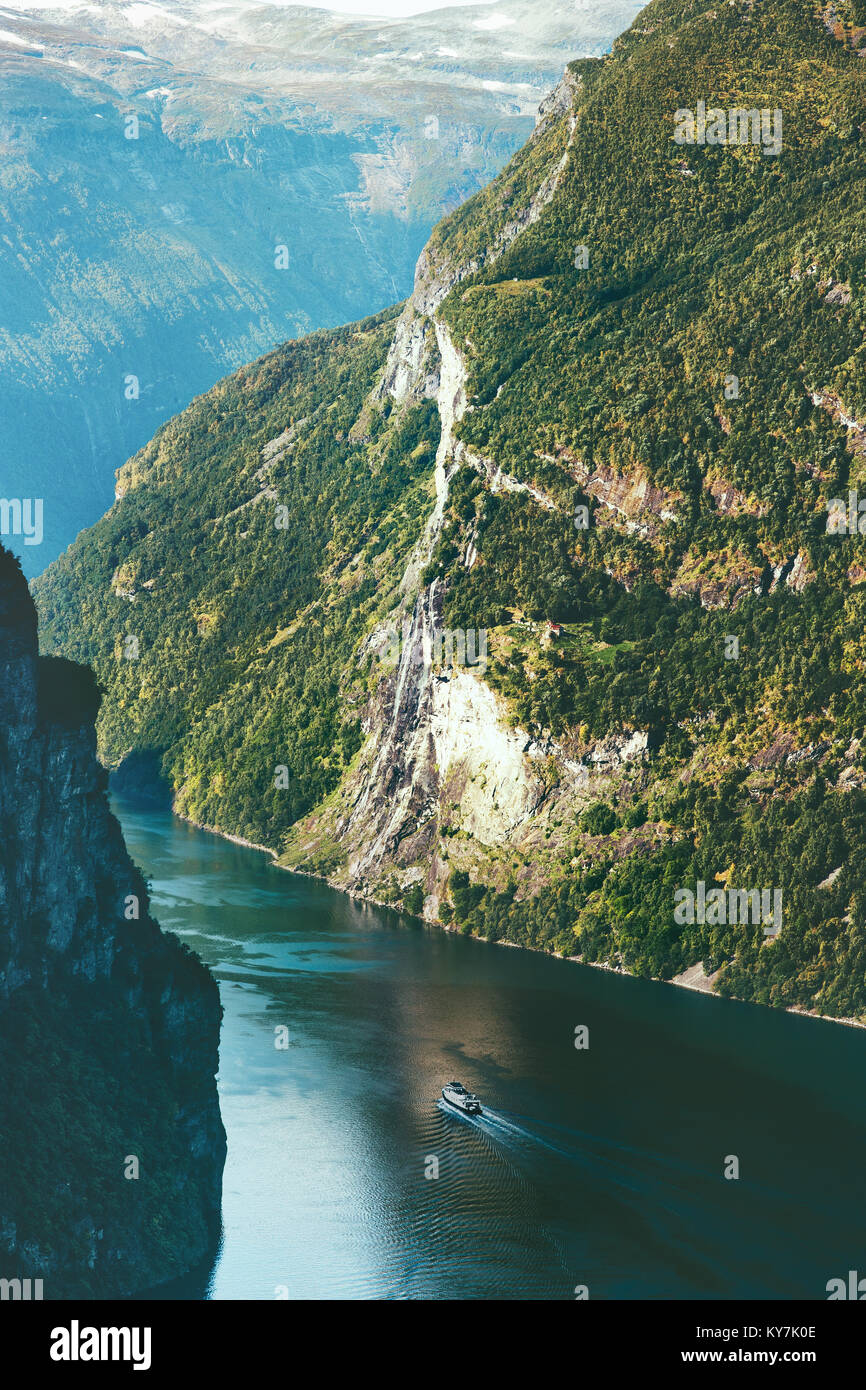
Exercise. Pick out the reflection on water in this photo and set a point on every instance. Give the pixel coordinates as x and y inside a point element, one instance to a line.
<point>602,1168</point>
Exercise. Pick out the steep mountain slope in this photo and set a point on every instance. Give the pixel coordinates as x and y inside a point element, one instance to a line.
<point>109,1030</point>
<point>157,157</point>
<point>647,362</point>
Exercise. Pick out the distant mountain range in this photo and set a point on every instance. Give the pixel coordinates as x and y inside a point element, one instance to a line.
<point>184,185</point>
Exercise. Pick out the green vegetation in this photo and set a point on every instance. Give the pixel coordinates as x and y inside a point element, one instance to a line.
<point>109,1029</point>
<point>599,819</point>
<point>668,389</point>
<point>246,632</point>
<point>619,370</point>
<point>68,693</point>
<point>620,913</point>
<point>73,1154</point>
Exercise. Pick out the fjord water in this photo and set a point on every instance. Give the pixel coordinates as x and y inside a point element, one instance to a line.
<point>601,1168</point>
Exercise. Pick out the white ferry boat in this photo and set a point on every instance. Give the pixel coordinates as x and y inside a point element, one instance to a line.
<point>457,1095</point>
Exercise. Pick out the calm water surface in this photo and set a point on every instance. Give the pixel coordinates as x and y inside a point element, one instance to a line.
<point>601,1168</point>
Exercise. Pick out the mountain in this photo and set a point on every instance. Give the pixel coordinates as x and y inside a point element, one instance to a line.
<point>109,1030</point>
<point>186,185</point>
<point>602,441</point>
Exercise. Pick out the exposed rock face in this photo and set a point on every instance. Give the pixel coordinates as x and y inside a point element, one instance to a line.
<point>411,372</point>
<point>632,499</point>
<point>440,754</point>
<point>109,1029</point>
<point>836,410</point>
<point>438,738</point>
<point>497,479</point>
<point>794,572</point>
<point>730,501</point>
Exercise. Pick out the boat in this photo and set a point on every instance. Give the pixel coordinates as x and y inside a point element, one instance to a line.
<point>457,1095</point>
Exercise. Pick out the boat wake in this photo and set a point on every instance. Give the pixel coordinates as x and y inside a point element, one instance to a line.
<point>631,1189</point>
<point>500,1125</point>
<point>490,1183</point>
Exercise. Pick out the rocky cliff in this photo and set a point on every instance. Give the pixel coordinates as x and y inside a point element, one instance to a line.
<point>111,1142</point>
<point>442,759</point>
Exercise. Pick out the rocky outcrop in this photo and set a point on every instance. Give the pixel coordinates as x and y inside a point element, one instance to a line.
<point>429,730</point>
<point>437,737</point>
<point>111,1142</point>
<point>730,501</point>
<point>841,28</point>
<point>830,402</point>
<point>720,580</point>
<point>412,369</point>
<point>497,479</point>
<point>631,499</point>
<point>795,573</point>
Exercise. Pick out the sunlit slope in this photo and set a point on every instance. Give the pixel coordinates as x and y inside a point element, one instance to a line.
<point>241,627</point>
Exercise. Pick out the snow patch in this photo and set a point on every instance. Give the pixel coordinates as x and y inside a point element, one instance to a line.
<point>143,13</point>
<point>495,21</point>
<point>6,36</point>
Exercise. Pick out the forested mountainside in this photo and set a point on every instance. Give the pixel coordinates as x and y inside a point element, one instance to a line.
<point>603,438</point>
<point>185,185</point>
<point>111,1142</point>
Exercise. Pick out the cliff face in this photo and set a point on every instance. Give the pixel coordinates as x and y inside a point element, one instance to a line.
<point>441,757</point>
<point>109,1029</point>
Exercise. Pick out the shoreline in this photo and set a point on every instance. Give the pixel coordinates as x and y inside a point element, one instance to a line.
<point>679,982</point>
